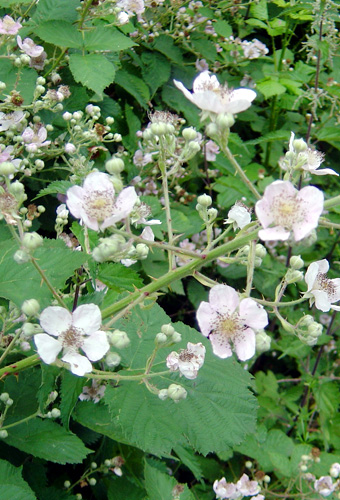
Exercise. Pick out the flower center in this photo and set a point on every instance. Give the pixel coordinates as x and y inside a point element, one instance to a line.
<point>185,355</point>
<point>72,339</point>
<point>326,285</point>
<point>99,204</point>
<point>287,211</point>
<point>228,326</point>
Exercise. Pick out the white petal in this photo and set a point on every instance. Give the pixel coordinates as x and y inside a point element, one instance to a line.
<point>74,201</point>
<point>205,317</point>
<point>244,344</point>
<point>321,300</point>
<point>55,320</point>
<point>253,314</point>
<point>204,81</point>
<point>223,298</point>
<point>87,318</point>
<point>48,348</point>
<point>96,346</point>
<point>185,91</point>
<point>79,364</point>
<point>220,345</point>
<point>122,208</point>
<point>274,233</point>
<point>98,181</point>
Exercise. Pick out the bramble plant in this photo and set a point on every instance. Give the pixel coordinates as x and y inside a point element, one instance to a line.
<point>169,221</point>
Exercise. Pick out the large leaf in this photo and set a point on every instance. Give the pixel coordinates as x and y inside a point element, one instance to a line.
<point>21,282</point>
<point>48,10</point>
<point>60,33</point>
<point>12,485</point>
<point>218,400</point>
<point>71,387</point>
<point>156,70</point>
<point>93,71</point>
<point>134,86</point>
<point>118,277</point>
<point>48,440</point>
<point>106,38</point>
<point>160,486</point>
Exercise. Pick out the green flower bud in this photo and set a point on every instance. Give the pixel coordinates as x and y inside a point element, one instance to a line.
<point>158,128</point>
<point>225,120</point>
<point>260,251</point>
<point>189,134</point>
<point>168,330</point>
<point>262,341</point>
<point>29,329</point>
<point>31,241</point>
<point>118,339</point>
<point>55,413</point>
<point>92,481</point>
<point>4,397</point>
<point>300,145</point>
<point>117,184</point>
<point>93,465</point>
<point>306,321</point>
<point>192,147</point>
<point>21,257</point>
<point>67,484</point>
<point>163,394</point>
<point>3,434</point>
<point>161,338</point>
<point>9,402</point>
<point>205,200</point>
<point>176,392</point>
<point>107,463</point>
<point>30,307</point>
<point>176,337</point>
<point>296,262</point>
<point>7,168</point>
<point>112,359</point>
<point>115,166</point>
<point>212,214</point>
<point>212,130</point>
<point>293,276</point>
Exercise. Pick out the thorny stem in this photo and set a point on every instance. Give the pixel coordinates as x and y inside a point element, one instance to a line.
<point>250,267</point>
<point>240,171</point>
<point>165,186</point>
<point>316,86</point>
<point>47,282</point>
<point>10,345</point>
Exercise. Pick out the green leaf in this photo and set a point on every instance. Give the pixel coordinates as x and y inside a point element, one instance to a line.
<point>134,86</point>
<point>259,10</point>
<point>22,389</point>
<point>23,80</point>
<point>60,33</point>
<point>106,38</point>
<point>49,376</point>
<point>56,187</point>
<point>223,28</point>
<point>160,486</point>
<point>92,70</point>
<point>123,490</point>
<point>269,88</point>
<point>48,10</point>
<point>190,459</point>
<point>218,397</point>
<point>48,440</point>
<point>71,387</point>
<point>9,3</point>
<point>156,70</point>
<point>118,277</point>
<point>12,485</point>
<point>165,45</point>
<point>21,282</point>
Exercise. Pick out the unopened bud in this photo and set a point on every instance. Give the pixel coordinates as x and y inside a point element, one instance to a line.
<point>118,339</point>
<point>260,251</point>
<point>293,276</point>
<point>31,241</point>
<point>55,413</point>
<point>189,134</point>
<point>112,359</point>
<point>7,168</point>
<point>67,484</point>
<point>225,120</point>
<point>115,166</point>
<point>21,257</point>
<point>296,262</point>
<point>4,397</point>
<point>300,145</point>
<point>211,130</point>
<point>262,341</point>
<point>92,481</point>
<point>176,337</point>
<point>205,200</point>
<point>161,338</point>
<point>3,434</point>
<point>176,392</point>
<point>30,307</point>
<point>168,330</point>
<point>163,394</point>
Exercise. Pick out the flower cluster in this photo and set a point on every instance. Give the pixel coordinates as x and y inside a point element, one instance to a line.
<point>322,290</point>
<point>188,361</point>
<point>236,491</point>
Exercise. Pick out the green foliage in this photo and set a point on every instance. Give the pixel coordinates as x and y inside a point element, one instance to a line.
<point>12,484</point>
<point>118,277</point>
<point>94,71</point>
<point>70,388</point>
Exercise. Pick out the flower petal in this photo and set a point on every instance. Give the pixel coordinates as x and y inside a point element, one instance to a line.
<point>244,344</point>
<point>312,273</point>
<point>55,320</point>
<point>96,346</point>
<point>205,317</point>
<point>321,300</point>
<point>223,298</point>
<point>98,182</point>
<point>122,207</point>
<point>253,314</point>
<point>79,364</point>
<point>48,348</point>
<point>220,345</point>
<point>74,201</point>
<point>274,233</point>
<point>87,318</point>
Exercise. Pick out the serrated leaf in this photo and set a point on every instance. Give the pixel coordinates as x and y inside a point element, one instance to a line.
<point>165,45</point>
<point>20,282</point>
<point>160,486</point>
<point>23,389</point>
<point>217,400</point>
<point>223,28</point>
<point>134,86</point>
<point>118,277</point>
<point>49,374</point>
<point>48,440</point>
<point>60,33</point>
<point>56,187</point>
<point>71,387</point>
<point>156,70</point>
<point>189,459</point>
<point>93,71</point>
<point>123,490</point>
<point>269,88</point>
<point>106,38</point>
<point>12,485</point>
<point>259,10</point>
<point>8,3</point>
<point>48,10</point>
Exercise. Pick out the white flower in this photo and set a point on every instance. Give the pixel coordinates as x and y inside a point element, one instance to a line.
<point>229,322</point>
<point>29,47</point>
<point>239,215</point>
<point>335,470</point>
<point>224,490</point>
<point>247,487</point>
<point>10,119</point>
<point>308,159</point>
<point>209,95</point>
<point>35,138</point>
<point>132,7</point>
<point>8,26</point>
<point>283,209</point>
<point>188,361</point>
<point>254,49</point>
<point>73,331</point>
<point>322,290</point>
<point>95,203</point>
<point>95,392</point>
<point>324,486</point>
<point>211,150</point>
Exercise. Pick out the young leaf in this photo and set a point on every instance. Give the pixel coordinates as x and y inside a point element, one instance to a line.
<point>56,187</point>
<point>134,86</point>
<point>160,486</point>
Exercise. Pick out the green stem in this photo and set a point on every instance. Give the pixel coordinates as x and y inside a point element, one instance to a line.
<point>47,282</point>
<point>20,421</point>
<point>181,272</point>
<point>240,171</point>
<point>23,364</point>
<point>165,186</point>
<point>279,304</point>
<point>101,375</point>
<point>84,13</point>
<point>56,62</point>
<point>332,202</point>
<point>10,345</point>
<point>250,267</point>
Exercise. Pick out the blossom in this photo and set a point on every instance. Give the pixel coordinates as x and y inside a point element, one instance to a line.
<point>308,159</point>
<point>287,210</point>
<point>29,47</point>
<point>322,290</point>
<point>8,26</point>
<point>35,138</point>
<point>209,95</point>
<point>95,203</point>
<point>324,486</point>
<point>188,361</point>
<point>225,490</point>
<point>247,487</point>
<point>10,119</point>
<point>254,49</point>
<point>94,393</point>
<point>239,215</point>
<point>132,7</point>
<point>211,150</point>
<point>73,331</point>
<point>229,322</point>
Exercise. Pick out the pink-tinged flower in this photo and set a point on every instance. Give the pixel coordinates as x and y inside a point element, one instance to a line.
<point>239,215</point>
<point>211,150</point>
<point>10,119</point>
<point>308,159</point>
<point>247,487</point>
<point>229,322</point>
<point>35,138</point>
<point>94,393</point>
<point>29,47</point>
<point>254,49</point>
<point>95,203</point>
<point>38,63</point>
<point>284,210</point>
<point>209,95</point>
<point>322,290</point>
<point>188,361</point>
<point>8,26</point>
<point>224,490</point>
<point>73,331</point>
<point>258,497</point>
<point>324,486</point>
<point>6,155</point>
